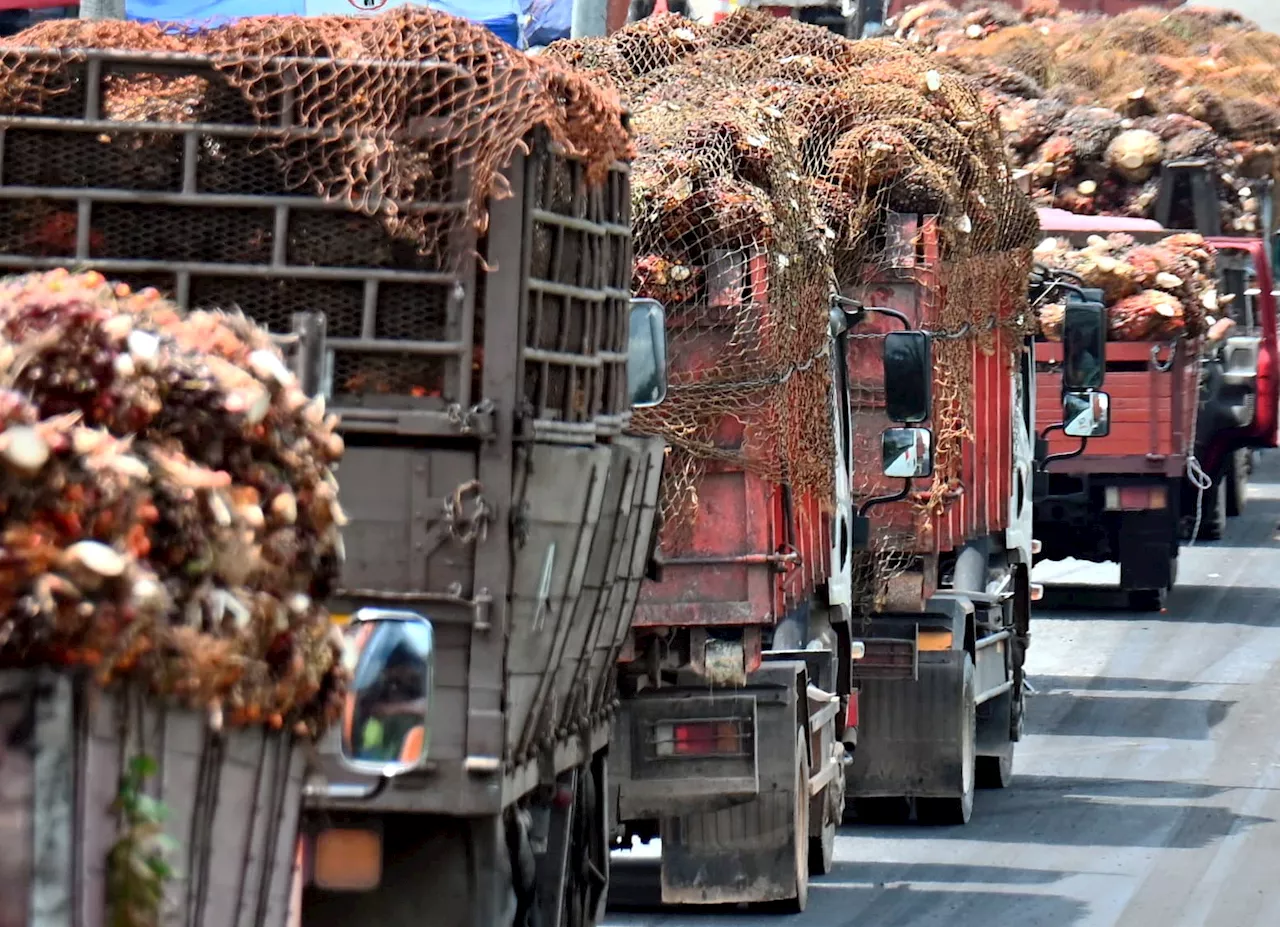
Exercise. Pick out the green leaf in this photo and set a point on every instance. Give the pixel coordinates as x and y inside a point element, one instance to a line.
<point>150,810</point>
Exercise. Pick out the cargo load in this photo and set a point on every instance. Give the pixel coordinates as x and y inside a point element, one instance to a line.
<point>1091,107</point>
<point>170,531</point>
<point>805,207</point>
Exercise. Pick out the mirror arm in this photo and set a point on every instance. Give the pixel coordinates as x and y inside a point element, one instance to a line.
<point>958,334</point>
<point>1084,442</point>
<point>1058,284</point>
<point>1058,272</point>
<point>882,500</point>
<point>1057,426</point>
<point>855,310</point>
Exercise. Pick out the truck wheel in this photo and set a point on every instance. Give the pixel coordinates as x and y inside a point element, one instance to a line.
<point>883,812</point>
<point>995,772</point>
<point>1237,479</point>
<point>800,821</point>
<point>958,809</point>
<point>1147,600</point>
<point>822,849</point>
<point>1213,507</point>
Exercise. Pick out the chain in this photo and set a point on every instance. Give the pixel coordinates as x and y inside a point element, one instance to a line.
<point>468,528</point>
<point>466,421</point>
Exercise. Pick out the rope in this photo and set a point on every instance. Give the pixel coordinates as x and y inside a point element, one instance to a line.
<point>1201,481</point>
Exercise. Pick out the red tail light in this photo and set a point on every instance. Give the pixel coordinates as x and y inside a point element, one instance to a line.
<point>700,738</point>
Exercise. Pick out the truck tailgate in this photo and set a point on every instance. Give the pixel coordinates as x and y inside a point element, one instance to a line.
<point>1153,388</point>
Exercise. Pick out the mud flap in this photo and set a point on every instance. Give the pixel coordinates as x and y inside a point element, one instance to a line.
<point>909,741</point>
<point>1147,549</point>
<point>746,853</point>
<point>743,854</point>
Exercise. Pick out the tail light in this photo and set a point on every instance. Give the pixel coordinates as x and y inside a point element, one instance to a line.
<point>717,737</point>
<point>1136,498</point>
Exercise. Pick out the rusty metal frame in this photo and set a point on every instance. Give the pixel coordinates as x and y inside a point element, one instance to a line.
<point>450,415</point>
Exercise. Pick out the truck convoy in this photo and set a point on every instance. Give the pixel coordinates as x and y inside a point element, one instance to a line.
<point>842,602</point>
<point>467,245</point>
<point>1129,130</point>
<point>690,451</point>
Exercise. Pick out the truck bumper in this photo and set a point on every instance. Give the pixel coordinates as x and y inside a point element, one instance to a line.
<point>1142,539</point>
<point>730,822</point>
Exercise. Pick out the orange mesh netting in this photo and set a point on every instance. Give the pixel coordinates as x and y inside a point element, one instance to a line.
<point>778,164</point>
<point>393,108</point>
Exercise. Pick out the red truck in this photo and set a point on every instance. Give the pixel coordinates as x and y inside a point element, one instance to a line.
<point>800,648</point>
<point>945,631</point>
<point>1184,416</point>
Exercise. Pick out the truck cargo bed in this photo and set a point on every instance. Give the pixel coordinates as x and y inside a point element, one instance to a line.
<point>1153,389</point>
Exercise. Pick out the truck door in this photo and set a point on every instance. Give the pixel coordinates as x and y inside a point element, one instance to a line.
<point>840,584</point>
<point>1247,397</point>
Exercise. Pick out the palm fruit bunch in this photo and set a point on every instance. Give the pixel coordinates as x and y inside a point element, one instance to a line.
<point>1087,93</point>
<point>168,511</point>
<point>1152,291</point>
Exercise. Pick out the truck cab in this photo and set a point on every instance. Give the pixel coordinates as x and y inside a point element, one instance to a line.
<point>1239,382</point>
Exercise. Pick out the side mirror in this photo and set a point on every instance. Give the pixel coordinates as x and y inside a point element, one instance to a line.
<point>1084,345</point>
<point>1086,414</point>
<point>908,376</point>
<point>647,354</point>
<point>907,453</point>
<point>386,718</point>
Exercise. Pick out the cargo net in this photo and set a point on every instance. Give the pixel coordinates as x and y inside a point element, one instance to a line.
<point>1091,106</point>
<point>383,113</point>
<point>771,158</point>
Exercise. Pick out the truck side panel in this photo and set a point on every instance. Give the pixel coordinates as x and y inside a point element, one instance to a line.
<point>723,575</point>
<point>978,505</point>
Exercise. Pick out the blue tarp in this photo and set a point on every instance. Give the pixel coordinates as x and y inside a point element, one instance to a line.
<point>502,17</point>
<point>548,20</point>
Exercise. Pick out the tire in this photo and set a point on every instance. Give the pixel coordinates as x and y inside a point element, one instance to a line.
<point>822,849</point>
<point>882,812</point>
<point>1147,600</point>
<point>957,810</point>
<point>994,772</point>
<point>800,821</point>
<point>1213,518</point>
<point>1237,479</point>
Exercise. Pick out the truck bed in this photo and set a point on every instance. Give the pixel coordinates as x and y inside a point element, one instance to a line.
<point>438,366</point>
<point>977,503</point>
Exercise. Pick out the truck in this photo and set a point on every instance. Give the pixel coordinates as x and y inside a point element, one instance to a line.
<point>1239,398</point>
<point>853,19</point>
<point>500,511</point>
<point>800,651</point>
<point>842,601</point>
<point>945,622</point>
<point>1174,462</point>
<point>518,539</point>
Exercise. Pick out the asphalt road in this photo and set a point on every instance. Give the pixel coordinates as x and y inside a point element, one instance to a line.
<point>1147,793</point>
